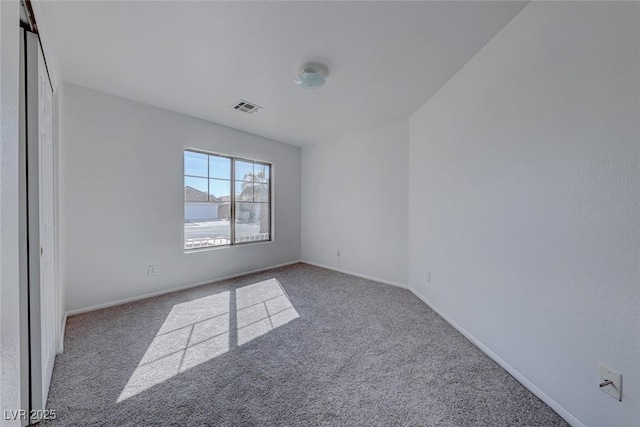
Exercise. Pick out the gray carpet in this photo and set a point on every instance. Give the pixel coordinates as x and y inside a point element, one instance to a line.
<point>297,345</point>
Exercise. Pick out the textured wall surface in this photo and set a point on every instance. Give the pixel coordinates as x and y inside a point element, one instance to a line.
<point>122,205</point>
<point>9,265</point>
<point>354,198</point>
<point>524,202</point>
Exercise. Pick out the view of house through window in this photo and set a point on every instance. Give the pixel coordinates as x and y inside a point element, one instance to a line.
<point>226,200</point>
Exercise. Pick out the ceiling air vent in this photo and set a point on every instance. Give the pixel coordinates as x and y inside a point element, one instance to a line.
<point>247,107</point>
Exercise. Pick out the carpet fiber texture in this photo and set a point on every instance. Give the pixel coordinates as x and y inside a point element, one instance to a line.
<point>297,345</point>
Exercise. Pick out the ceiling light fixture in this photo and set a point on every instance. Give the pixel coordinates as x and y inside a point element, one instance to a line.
<point>312,76</point>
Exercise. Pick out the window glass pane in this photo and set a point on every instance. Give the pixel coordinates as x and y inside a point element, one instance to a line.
<point>260,192</point>
<point>208,184</point>
<point>252,222</point>
<point>219,167</point>
<point>195,164</point>
<point>244,191</point>
<point>244,171</point>
<point>261,172</point>
<point>206,225</point>
<point>195,189</point>
<point>220,190</point>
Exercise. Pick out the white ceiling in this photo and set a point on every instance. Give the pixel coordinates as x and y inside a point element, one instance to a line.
<point>386,59</point>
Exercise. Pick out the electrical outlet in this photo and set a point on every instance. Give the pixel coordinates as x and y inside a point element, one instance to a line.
<point>429,277</point>
<point>338,252</point>
<point>610,381</point>
<point>321,250</point>
<point>152,271</point>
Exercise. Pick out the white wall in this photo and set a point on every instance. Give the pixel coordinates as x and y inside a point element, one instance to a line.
<point>354,198</point>
<point>122,199</point>
<point>9,265</point>
<point>525,201</point>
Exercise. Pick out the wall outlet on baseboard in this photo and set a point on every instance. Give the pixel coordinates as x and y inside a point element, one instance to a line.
<point>153,270</point>
<point>428,277</point>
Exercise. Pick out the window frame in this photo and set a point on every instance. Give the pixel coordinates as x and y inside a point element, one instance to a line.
<point>232,198</point>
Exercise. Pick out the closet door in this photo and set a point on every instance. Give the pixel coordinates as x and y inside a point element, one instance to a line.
<point>40,178</point>
<point>48,301</point>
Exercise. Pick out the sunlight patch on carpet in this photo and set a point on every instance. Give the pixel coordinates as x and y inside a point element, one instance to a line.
<point>197,331</point>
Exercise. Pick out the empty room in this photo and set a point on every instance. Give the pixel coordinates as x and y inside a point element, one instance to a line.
<point>336,213</point>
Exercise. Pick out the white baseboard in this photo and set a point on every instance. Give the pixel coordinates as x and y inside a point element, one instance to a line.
<point>170,290</point>
<point>351,273</point>
<point>517,375</point>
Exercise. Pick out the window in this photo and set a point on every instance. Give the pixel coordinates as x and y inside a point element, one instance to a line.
<point>227,200</point>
